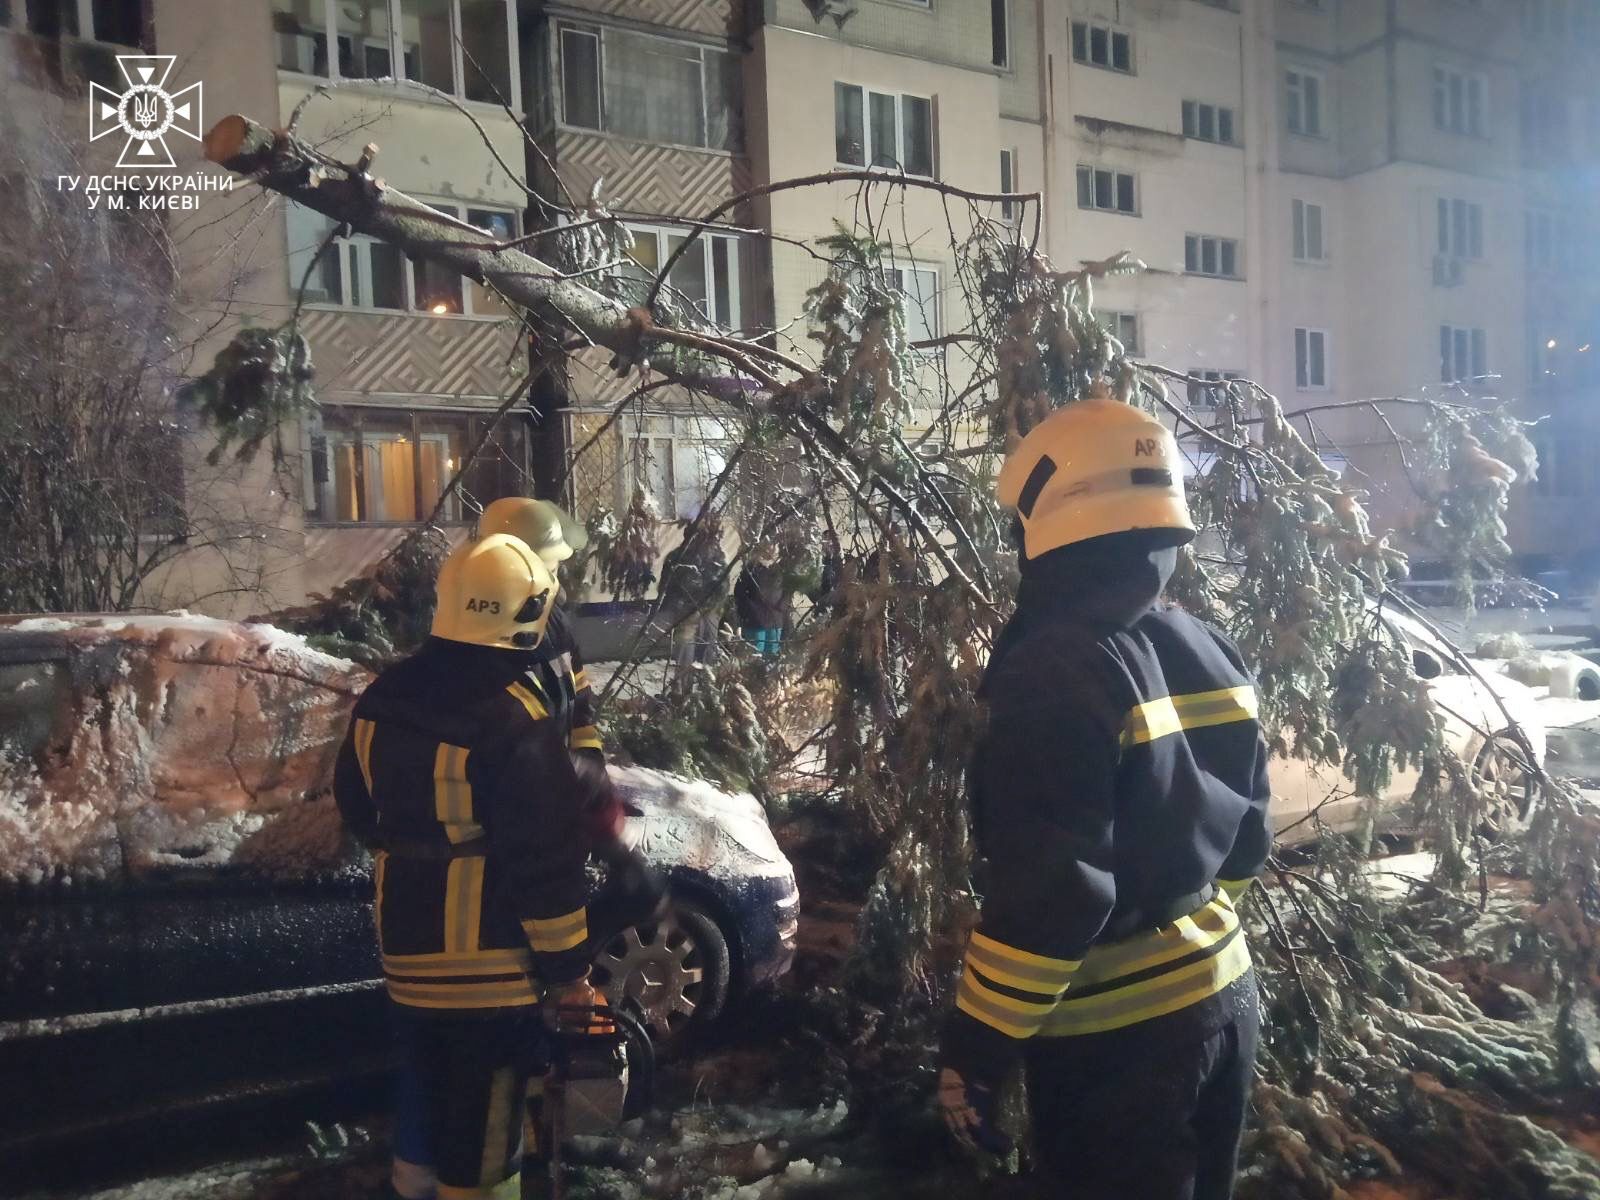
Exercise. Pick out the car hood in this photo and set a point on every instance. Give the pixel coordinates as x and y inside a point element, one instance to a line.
<point>689,823</point>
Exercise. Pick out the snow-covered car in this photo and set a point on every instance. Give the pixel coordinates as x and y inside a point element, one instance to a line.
<point>167,834</point>
<point>1491,721</point>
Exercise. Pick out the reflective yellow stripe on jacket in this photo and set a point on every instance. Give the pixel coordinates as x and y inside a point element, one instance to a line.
<point>555,934</point>
<point>1009,989</point>
<point>1120,983</point>
<point>1172,714</point>
<point>1154,973</point>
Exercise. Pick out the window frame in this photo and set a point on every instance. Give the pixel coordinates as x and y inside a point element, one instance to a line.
<point>1000,38</point>
<point>598,30</point>
<point>921,305</point>
<point>1472,224</point>
<point>868,148</point>
<point>1010,210</point>
<point>705,244</point>
<point>634,428</point>
<point>1456,342</point>
<point>1443,74</point>
<point>320,488</point>
<point>1115,321</point>
<point>1297,90</point>
<point>355,265</point>
<point>1300,230</point>
<point>1117,176</point>
<point>1089,27</point>
<point>1214,378</point>
<point>1303,381</point>
<point>330,35</point>
<point>1192,127</point>
<point>1219,241</point>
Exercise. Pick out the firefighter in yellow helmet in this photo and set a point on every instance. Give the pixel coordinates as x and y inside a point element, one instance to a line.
<point>1120,802</point>
<point>457,773</point>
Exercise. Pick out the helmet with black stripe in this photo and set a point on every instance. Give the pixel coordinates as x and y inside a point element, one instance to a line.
<point>1092,468</point>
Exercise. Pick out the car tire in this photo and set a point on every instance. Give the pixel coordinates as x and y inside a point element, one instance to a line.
<point>1510,788</point>
<point>672,974</point>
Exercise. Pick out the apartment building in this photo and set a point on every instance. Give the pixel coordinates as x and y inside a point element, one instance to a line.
<point>1348,199</point>
<point>1344,199</point>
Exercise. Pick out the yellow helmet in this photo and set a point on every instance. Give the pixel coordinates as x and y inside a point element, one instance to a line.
<point>494,592</point>
<point>545,527</point>
<point>1095,467</point>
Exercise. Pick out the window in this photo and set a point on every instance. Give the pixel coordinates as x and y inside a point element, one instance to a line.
<point>1463,354</point>
<point>1310,359</point>
<point>880,129</point>
<point>675,459</point>
<point>1308,241</point>
<point>1009,209</point>
<point>1460,225</point>
<point>362,272</point>
<point>1207,255</point>
<point>120,22</point>
<point>1208,122</point>
<point>392,465</point>
<point>1458,102</point>
<point>705,278</point>
<point>1109,191</point>
<point>920,288</point>
<point>1213,393</point>
<point>461,47</point>
<point>1304,102</point>
<point>1101,46</point>
<point>650,88</point>
<point>999,32</point>
<point>1124,326</point>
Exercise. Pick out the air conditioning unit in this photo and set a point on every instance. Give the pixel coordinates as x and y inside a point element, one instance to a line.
<point>1446,271</point>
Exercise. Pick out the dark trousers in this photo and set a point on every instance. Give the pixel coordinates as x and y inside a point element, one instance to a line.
<point>1150,1112</point>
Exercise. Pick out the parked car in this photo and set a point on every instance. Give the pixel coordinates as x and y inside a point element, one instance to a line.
<point>166,836</point>
<point>1491,721</point>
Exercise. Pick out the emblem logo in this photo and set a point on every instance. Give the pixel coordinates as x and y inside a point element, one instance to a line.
<point>146,113</point>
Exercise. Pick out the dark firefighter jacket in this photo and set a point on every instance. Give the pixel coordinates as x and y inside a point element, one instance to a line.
<point>1123,771</point>
<point>458,772</point>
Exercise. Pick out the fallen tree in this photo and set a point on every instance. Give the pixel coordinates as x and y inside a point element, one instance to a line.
<point>1372,1063</point>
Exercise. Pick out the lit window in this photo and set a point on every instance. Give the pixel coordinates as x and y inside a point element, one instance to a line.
<point>919,286</point>
<point>362,272</point>
<point>372,465</point>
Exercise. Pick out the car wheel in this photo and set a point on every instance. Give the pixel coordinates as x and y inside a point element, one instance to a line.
<point>673,974</point>
<point>1509,788</point>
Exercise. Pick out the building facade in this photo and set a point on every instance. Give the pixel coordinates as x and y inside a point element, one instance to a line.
<point>1341,199</point>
